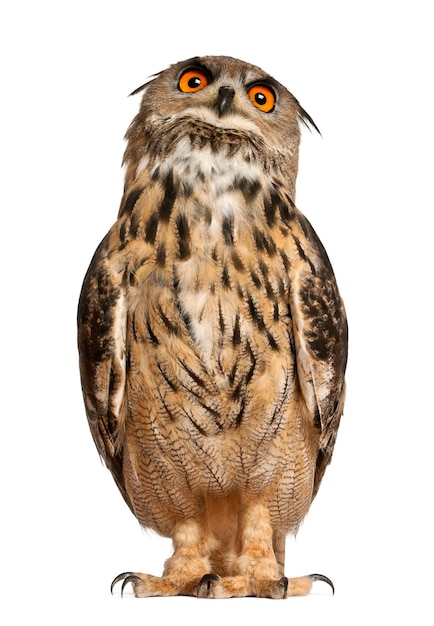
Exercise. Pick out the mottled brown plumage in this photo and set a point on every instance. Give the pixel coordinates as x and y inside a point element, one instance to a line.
<point>212,336</point>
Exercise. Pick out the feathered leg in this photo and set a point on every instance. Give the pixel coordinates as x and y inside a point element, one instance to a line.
<point>258,569</point>
<point>182,571</point>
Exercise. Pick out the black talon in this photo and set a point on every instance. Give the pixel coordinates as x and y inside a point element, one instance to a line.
<point>119,578</point>
<point>208,579</point>
<point>283,582</point>
<point>129,579</point>
<point>324,579</point>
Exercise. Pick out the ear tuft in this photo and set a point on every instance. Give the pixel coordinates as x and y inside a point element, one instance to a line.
<point>306,119</point>
<point>138,90</point>
<point>142,87</point>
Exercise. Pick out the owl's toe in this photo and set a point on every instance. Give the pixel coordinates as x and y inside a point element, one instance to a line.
<point>280,588</point>
<point>213,586</point>
<point>126,578</point>
<point>145,585</point>
<point>302,585</point>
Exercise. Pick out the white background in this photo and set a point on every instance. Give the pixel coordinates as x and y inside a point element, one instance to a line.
<point>364,71</point>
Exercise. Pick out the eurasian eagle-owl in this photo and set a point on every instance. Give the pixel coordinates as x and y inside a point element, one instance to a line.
<point>212,337</point>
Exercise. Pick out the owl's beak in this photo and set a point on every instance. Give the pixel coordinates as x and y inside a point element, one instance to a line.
<point>224,100</point>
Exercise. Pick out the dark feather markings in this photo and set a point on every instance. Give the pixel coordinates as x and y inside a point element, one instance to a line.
<point>285,260</point>
<point>249,188</point>
<point>221,319</point>
<point>236,335</point>
<point>226,281</point>
<point>169,381</point>
<point>245,383</point>
<point>213,412</point>
<point>183,236</point>
<point>170,192</point>
<point>160,258</point>
<point>241,412</point>
<point>134,225</point>
<point>263,244</point>
<point>129,201</point>
<point>303,254</point>
<point>238,264</point>
<point>167,410</point>
<point>255,278</point>
<point>252,357</point>
<point>171,327</point>
<point>269,289</point>
<point>284,211</point>
<point>151,334</point>
<point>270,208</point>
<point>273,343</point>
<point>151,228</point>
<point>256,315</point>
<point>197,379</point>
<point>98,317</point>
<point>320,304</point>
<point>200,430</point>
<point>228,230</point>
<point>123,232</point>
<point>276,314</point>
<point>185,316</point>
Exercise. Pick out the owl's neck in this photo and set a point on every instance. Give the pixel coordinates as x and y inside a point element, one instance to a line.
<point>214,172</point>
<point>217,172</point>
<point>197,151</point>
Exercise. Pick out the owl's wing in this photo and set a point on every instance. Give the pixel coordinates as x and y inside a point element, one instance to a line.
<point>321,340</point>
<point>102,315</point>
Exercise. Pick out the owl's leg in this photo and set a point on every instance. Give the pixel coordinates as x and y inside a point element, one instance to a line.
<point>256,572</point>
<point>255,569</point>
<point>182,571</point>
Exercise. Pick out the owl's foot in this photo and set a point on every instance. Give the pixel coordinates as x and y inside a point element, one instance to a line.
<point>213,586</point>
<point>146,586</point>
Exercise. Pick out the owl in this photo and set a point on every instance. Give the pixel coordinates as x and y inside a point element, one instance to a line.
<point>212,337</point>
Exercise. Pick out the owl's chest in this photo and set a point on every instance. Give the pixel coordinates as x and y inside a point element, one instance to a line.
<point>231,287</point>
<point>214,276</point>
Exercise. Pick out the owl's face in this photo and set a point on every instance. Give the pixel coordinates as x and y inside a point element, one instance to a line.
<point>211,109</point>
<point>226,94</point>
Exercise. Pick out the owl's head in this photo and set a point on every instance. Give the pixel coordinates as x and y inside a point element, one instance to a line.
<point>216,99</point>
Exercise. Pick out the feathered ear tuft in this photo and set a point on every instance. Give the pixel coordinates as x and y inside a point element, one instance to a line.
<point>142,87</point>
<point>138,90</point>
<point>306,119</point>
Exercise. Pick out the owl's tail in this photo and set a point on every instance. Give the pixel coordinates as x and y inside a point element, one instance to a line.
<point>279,552</point>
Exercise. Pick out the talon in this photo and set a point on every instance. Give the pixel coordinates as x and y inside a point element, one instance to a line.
<point>118,579</point>
<point>127,577</point>
<point>324,579</point>
<point>208,579</point>
<point>132,578</point>
<point>283,582</point>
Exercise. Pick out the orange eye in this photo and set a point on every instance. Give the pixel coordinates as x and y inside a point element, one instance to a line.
<point>193,80</point>
<point>262,97</point>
